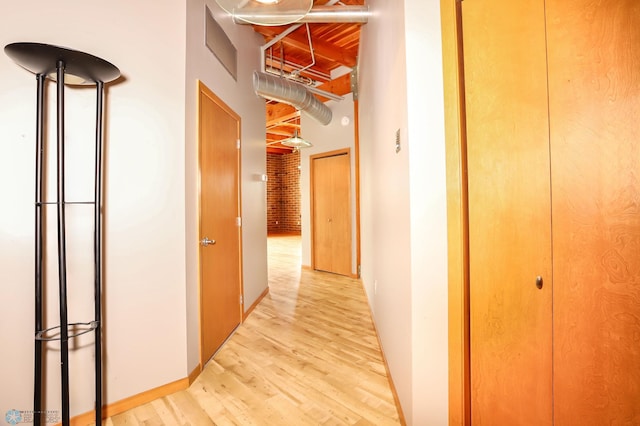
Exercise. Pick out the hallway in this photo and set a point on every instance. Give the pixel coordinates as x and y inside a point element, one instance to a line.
<point>307,355</point>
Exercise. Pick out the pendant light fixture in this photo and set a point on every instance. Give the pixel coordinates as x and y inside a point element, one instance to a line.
<point>296,141</point>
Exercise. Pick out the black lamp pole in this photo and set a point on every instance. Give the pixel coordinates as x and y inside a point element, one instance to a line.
<point>98,251</point>
<point>37,394</point>
<point>62,248</point>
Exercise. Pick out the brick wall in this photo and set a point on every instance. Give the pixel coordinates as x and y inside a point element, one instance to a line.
<point>283,193</point>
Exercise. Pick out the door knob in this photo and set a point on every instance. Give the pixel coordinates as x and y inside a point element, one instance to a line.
<point>539,282</point>
<point>206,241</point>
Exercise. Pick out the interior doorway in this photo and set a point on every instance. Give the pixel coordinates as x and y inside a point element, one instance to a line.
<point>220,258</point>
<point>331,212</point>
<point>284,220</point>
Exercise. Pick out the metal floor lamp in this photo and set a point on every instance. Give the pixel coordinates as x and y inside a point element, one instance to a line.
<point>65,67</point>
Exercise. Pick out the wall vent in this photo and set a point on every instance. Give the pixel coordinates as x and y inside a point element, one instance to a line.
<point>220,45</point>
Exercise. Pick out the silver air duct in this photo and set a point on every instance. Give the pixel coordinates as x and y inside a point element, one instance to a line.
<point>291,93</point>
<point>317,15</point>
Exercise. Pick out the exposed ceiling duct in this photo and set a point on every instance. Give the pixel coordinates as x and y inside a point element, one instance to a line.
<point>317,15</point>
<point>283,90</point>
<point>291,93</point>
<point>268,12</point>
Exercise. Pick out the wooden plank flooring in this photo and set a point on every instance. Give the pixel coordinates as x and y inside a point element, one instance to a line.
<point>307,355</point>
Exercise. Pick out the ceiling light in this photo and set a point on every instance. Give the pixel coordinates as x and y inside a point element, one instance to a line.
<point>296,141</point>
<point>268,1</point>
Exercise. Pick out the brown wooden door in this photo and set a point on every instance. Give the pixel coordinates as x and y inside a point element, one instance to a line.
<point>594,104</point>
<point>220,262</point>
<point>509,212</point>
<point>587,151</point>
<point>331,212</point>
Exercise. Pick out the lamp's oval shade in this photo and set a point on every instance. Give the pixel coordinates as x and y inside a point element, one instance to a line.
<point>280,12</point>
<point>80,68</point>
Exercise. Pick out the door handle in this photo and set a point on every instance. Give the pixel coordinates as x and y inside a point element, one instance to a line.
<point>206,241</point>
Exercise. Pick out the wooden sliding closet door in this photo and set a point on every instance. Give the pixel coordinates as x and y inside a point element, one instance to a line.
<point>509,212</point>
<point>594,102</point>
<point>553,148</point>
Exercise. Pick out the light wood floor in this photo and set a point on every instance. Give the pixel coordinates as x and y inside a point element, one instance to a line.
<point>307,355</point>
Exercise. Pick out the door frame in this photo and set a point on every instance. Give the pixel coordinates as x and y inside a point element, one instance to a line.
<point>203,89</point>
<point>457,214</point>
<point>343,151</point>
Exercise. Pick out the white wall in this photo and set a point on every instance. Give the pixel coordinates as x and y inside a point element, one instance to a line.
<point>145,336</point>
<point>403,201</point>
<point>239,96</point>
<point>327,138</point>
<point>386,233</point>
<point>428,212</point>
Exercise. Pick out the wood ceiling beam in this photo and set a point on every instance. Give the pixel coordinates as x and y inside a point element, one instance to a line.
<point>275,140</point>
<point>339,86</point>
<point>321,49</point>
<point>277,113</point>
<point>320,74</point>
<point>282,126</point>
<point>274,132</point>
<point>279,150</point>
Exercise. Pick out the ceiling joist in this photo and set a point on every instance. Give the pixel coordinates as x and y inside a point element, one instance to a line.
<point>321,49</point>
<point>278,113</point>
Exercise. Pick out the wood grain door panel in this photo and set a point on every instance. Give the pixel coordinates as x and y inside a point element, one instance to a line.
<point>331,212</point>
<point>594,104</point>
<point>220,263</point>
<point>509,212</point>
